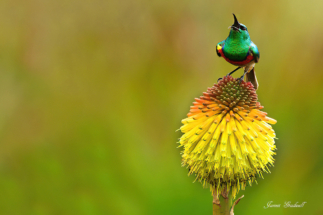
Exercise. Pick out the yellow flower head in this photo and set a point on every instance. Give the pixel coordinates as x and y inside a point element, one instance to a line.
<point>227,140</point>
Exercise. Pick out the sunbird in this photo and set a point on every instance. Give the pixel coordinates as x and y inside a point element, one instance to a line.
<point>239,50</point>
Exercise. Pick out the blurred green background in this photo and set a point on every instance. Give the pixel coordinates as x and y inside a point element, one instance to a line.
<point>91,93</point>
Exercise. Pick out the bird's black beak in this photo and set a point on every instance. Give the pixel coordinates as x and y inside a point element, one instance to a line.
<point>236,24</point>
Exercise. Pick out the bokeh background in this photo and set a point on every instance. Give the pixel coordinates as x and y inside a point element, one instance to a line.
<point>91,93</point>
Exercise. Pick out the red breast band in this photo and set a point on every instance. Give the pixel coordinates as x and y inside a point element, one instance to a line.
<point>240,63</point>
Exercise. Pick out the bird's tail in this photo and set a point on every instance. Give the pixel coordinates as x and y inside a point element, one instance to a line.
<point>251,76</point>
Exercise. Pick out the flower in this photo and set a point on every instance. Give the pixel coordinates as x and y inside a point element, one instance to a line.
<point>227,140</point>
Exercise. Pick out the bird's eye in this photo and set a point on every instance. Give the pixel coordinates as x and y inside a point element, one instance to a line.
<point>242,28</point>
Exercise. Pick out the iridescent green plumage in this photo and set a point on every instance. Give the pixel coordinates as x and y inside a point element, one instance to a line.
<point>237,45</point>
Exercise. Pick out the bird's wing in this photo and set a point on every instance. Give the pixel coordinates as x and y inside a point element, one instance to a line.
<point>219,46</point>
<point>254,51</point>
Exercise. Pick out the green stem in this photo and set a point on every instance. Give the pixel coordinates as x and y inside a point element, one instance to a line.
<point>222,205</point>
<point>216,204</point>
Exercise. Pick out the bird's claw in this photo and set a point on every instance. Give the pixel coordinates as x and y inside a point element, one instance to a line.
<point>240,79</point>
<point>219,79</point>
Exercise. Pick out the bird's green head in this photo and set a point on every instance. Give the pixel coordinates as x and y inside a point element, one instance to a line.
<point>238,31</point>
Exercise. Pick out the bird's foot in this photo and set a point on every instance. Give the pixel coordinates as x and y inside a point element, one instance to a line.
<point>241,79</point>
<point>219,79</point>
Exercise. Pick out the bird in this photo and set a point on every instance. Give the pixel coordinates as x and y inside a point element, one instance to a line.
<point>239,50</point>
